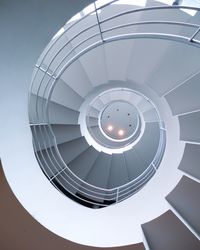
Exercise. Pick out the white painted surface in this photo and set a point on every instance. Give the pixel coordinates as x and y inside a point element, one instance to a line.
<point>113,226</point>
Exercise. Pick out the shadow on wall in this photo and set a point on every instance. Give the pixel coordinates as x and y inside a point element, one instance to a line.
<point>19,231</point>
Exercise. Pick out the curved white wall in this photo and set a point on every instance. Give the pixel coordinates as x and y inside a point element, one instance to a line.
<point>21,44</point>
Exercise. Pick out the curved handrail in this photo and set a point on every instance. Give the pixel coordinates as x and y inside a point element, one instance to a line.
<point>110,18</point>
<point>45,106</point>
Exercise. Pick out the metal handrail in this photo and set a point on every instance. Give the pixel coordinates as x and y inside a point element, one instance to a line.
<point>74,24</point>
<point>101,188</point>
<point>133,11</point>
<point>149,9</point>
<point>94,45</point>
<point>112,17</point>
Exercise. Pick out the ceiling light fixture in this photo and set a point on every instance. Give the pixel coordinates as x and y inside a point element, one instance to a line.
<point>121,132</point>
<point>110,128</point>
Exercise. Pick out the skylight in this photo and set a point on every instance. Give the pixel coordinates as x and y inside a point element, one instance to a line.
<point>168,2</point>
<point>74,18</point>
<point>59,33</point>
<point>191,3</point>
<point>100,3</point>
<point>88,9</point>
<point>141,3</point>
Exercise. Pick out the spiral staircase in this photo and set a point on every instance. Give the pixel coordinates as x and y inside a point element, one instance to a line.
<point>114,119</point>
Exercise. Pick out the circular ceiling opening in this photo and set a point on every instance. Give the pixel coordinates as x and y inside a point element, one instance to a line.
<point>119,120</point>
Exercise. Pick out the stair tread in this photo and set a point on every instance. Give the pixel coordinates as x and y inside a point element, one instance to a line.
<point>168,232</point>
<point>145,149</point>
<point>118,172</point>
<point>83,163</point>
<point>70,150</point>
<point>100,171</point>
<point>190,160</point>
<point>185,200</point>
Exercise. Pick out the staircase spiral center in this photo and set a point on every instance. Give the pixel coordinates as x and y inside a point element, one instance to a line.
<point>119,120</point>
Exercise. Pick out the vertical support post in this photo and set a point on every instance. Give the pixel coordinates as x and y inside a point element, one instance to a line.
<point>98,21</point>
<point>154,166</point>
<point>193,36</point>
<point>117,197</point>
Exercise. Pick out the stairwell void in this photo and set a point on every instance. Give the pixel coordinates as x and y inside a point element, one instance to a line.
<point>97,138</point>
<point>114,119</point>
